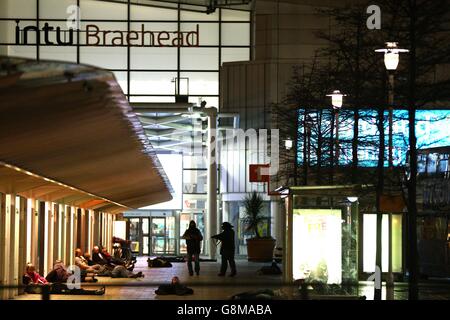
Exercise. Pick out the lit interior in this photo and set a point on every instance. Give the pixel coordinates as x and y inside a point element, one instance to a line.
<point>317,245</point>
<point>369,243</point>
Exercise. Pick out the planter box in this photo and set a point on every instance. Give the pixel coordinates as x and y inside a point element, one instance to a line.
<point>260,250</point>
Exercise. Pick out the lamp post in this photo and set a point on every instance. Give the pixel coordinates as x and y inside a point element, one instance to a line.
<point>391,60</point>
<point>336,100</point>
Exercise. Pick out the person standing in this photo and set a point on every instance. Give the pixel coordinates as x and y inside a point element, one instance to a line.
<point>226,249</point>
<point>193,237</point>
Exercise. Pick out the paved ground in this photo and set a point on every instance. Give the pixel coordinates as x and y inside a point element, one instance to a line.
<point>208,286</point>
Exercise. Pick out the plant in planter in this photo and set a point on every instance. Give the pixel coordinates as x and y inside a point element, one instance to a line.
<point>258,248</point>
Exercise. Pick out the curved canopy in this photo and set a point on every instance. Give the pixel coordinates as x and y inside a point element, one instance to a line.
<point>71,126</point>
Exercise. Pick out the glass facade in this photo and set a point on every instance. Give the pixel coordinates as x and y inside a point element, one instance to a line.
<point>145,73</point>
<point>430,131</point>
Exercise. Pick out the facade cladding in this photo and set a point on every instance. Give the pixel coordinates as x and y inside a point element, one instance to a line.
<point>145,45</point>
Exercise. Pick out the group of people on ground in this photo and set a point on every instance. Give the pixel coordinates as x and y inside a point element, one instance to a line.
<point>54,283</point>
<point>101,264</point>
<point>193,238</point>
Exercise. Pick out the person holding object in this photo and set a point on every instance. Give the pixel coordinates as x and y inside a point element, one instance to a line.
<point>193,237</point>
<point>226,249</point>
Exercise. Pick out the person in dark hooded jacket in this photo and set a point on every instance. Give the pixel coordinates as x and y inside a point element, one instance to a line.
<point>226,238</point>
<point>193,237</point>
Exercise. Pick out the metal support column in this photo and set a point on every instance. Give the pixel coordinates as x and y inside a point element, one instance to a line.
<point>212,179</point>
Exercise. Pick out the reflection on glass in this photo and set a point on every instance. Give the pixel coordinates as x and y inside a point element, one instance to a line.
<point>145,245</point>
<point>170,246</point>
<point>443,163</point>
<point>158,244</point>
<point>431,164</point>
<point>170,227</point>
<point>134,229</point>
<point>145,226</point>
<point>421,163</point>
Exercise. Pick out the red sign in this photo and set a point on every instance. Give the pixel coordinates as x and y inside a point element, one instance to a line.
<point>256,175</point>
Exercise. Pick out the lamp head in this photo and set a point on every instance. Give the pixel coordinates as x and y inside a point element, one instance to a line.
<point>288,143</point>
<point>336,99</point>
<point>391,55</point>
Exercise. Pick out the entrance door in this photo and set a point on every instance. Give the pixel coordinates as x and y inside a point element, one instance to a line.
<point>162,233</point>
<point>185,218</point>
<point>158,234</point>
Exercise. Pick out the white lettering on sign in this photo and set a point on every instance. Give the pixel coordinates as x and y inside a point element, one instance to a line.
<point>374,20</point>
<point>74,19</point>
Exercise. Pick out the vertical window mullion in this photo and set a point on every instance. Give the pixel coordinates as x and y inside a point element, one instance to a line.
<point>38,33</point>
<point>128,50</point>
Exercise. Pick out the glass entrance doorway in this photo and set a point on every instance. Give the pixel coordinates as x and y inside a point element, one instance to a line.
<point>185,218</point>
<point>153,235</point>
<point>162,235</point>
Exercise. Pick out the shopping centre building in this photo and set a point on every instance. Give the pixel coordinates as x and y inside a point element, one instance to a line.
<point>145,85</point>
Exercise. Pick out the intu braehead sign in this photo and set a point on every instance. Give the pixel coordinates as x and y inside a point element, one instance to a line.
<point>94,36</point>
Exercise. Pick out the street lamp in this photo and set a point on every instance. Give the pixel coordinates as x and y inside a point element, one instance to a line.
<point>336,100</point>
<point>391,60</point>
<point>288,143</point>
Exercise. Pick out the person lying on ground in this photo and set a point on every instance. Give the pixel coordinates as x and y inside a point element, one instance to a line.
<point>102,257</point>
<point>122,272</point>
<point>98,258</point>
<point>111,259</point>
<point>175,287</point>
<point>87,257</point>
<point>35,283</point>
<point>260,294</point>
<point>58,274</point>
<point>100,271</point>
<point>87,272</point>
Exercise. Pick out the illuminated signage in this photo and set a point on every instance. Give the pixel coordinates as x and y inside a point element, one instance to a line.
<point>317,245</point>
<point>94,36</point>
<point>431,131</point>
